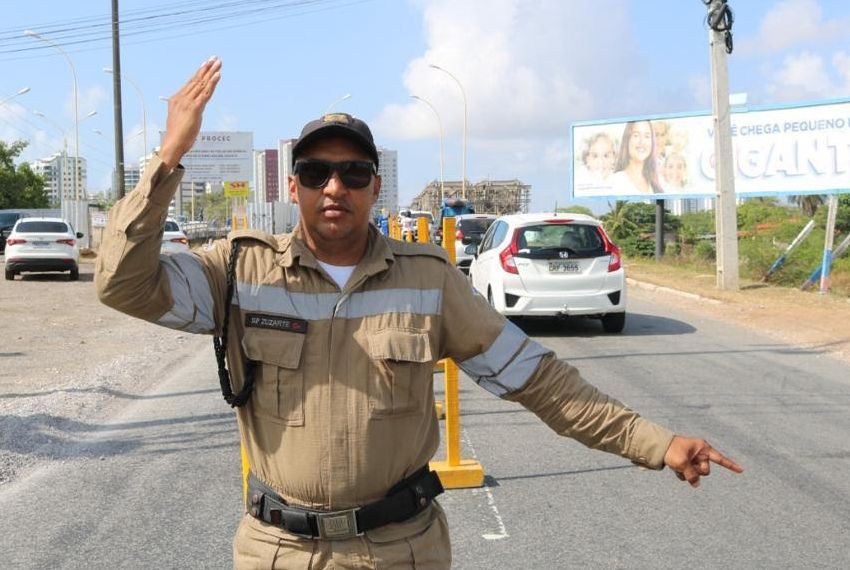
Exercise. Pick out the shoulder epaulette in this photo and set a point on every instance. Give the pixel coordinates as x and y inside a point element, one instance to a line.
<point>275,242</point>
<point>399,247</point>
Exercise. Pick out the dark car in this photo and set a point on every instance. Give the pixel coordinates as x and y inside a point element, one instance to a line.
<point>7,222</point>
<point>469,230</point>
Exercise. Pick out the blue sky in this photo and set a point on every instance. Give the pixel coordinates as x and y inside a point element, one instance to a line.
<point>529,68</point>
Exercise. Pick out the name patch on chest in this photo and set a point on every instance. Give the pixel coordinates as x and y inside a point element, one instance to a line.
<point>276,322</point>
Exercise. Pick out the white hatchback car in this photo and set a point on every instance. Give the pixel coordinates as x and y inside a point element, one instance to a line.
<point>42,245</point>
<point>174,240</point>
<point>551,265</point>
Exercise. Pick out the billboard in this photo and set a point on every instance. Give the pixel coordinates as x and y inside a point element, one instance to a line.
<point>220,156</point>
<point>792,150</point>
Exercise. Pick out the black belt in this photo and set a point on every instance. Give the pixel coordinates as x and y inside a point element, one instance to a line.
<point>407,498</point>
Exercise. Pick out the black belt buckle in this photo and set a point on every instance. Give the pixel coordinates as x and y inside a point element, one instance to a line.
<point>338,525</point>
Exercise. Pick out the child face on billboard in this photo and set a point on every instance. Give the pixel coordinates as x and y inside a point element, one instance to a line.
<point>675,170</point>
<point>600,156</point>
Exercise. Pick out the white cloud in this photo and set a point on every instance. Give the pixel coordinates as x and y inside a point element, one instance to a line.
<point>700,86</point>
<point>88,99</point>
<point>227,122</point>
<point>806,76</point>
<point>790,23</point>
<point>528,68</point>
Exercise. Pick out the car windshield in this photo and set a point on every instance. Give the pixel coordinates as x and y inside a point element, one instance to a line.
<point>578,239</point>
<point>171,226</point>
<point>42,227</point>
<point>478,225</point>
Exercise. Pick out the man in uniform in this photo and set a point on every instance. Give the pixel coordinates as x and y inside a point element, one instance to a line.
<point>331,336</point>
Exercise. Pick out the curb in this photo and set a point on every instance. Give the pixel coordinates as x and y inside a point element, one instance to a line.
<point>661,289</point>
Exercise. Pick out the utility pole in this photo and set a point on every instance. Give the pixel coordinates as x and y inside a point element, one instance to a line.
<point>116,91</point>
<point>720,40</point>
<point>659,229</point>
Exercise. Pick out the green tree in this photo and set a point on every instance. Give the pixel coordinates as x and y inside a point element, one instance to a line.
<point>618,223</point>
<point>576,209</point>
<point>215,207</point>
<point>808,203</point>
<point>19,187</point>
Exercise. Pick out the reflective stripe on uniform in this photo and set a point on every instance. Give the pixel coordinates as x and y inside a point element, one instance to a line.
<point>320,306</point>
<point>508,363</point>
<point>192,308</point>
<point>411,301</point>
<point>279,301</point>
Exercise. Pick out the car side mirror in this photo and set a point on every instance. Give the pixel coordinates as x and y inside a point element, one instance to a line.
<point>79,235</point>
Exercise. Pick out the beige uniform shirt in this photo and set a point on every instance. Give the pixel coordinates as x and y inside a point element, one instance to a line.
<point>343,405</point>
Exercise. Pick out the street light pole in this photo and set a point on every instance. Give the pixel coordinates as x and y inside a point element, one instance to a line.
<point>440,125</point>
<point>465,114</point>
<point>340,100</point>
<point>20,91</point>
<point>75,188</point>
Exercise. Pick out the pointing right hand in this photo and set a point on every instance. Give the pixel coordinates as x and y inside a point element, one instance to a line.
<point>185,112</point>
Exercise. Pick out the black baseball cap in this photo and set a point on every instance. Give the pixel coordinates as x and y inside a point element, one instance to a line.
<point>336,125</point>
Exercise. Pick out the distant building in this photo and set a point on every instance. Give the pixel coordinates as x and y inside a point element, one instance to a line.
<point>132,175</point>
<point>284,167</point>
<point>266,176</point>
<point>58,172</point>
<point>488,196</point>
<point>690,205</point>
<point>388,170</point>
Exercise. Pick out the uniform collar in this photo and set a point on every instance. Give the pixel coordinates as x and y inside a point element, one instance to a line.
<point>378,256</point>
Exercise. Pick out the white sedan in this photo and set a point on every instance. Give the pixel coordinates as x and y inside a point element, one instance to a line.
<point>174,240</point>
<point>551,265</point>
<point>42,245</point>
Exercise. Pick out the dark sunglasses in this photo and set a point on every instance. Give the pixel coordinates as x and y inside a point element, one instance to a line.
<point>314,173</point>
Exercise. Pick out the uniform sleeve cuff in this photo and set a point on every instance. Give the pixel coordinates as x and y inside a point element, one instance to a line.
<point>161,181</point>
<point>649,444</point>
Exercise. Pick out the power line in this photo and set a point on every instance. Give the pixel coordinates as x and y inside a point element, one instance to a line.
<point>153,26</point>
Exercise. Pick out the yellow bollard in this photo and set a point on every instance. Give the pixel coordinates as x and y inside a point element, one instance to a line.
<point>449,238</point>
<point>454,472</point>
<point>422,230</point>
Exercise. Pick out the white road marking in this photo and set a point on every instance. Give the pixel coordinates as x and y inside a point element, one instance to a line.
<point>491,501</point>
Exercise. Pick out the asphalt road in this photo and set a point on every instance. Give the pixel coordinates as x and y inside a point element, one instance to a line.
<point>158,487</point>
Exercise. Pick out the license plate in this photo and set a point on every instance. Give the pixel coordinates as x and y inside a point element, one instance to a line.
<point>41,243</point>
<point>563,267</point>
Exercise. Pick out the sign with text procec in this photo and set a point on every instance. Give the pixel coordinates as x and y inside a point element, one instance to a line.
<point>220,156</point>
<point>794,150</point>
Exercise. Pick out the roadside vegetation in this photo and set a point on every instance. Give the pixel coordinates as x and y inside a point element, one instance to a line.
<point>20,187</point>
<point>766,227</point>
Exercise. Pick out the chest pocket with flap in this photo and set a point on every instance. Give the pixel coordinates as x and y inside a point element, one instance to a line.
<point>279,387</point>
<point>401,368</point>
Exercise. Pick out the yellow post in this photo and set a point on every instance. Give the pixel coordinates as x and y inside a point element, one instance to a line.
<point>454,472</point>
<point>245,469</point>
<point>422,230</point>
<point>449,238</point>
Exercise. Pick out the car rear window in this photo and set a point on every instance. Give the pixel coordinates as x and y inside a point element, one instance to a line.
<point>41,227</point>
<point>171,226</point>
<point>475,224</point>
<point>542,240</point>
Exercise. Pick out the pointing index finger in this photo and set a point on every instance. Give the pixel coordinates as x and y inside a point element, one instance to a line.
<point>724,461</point>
